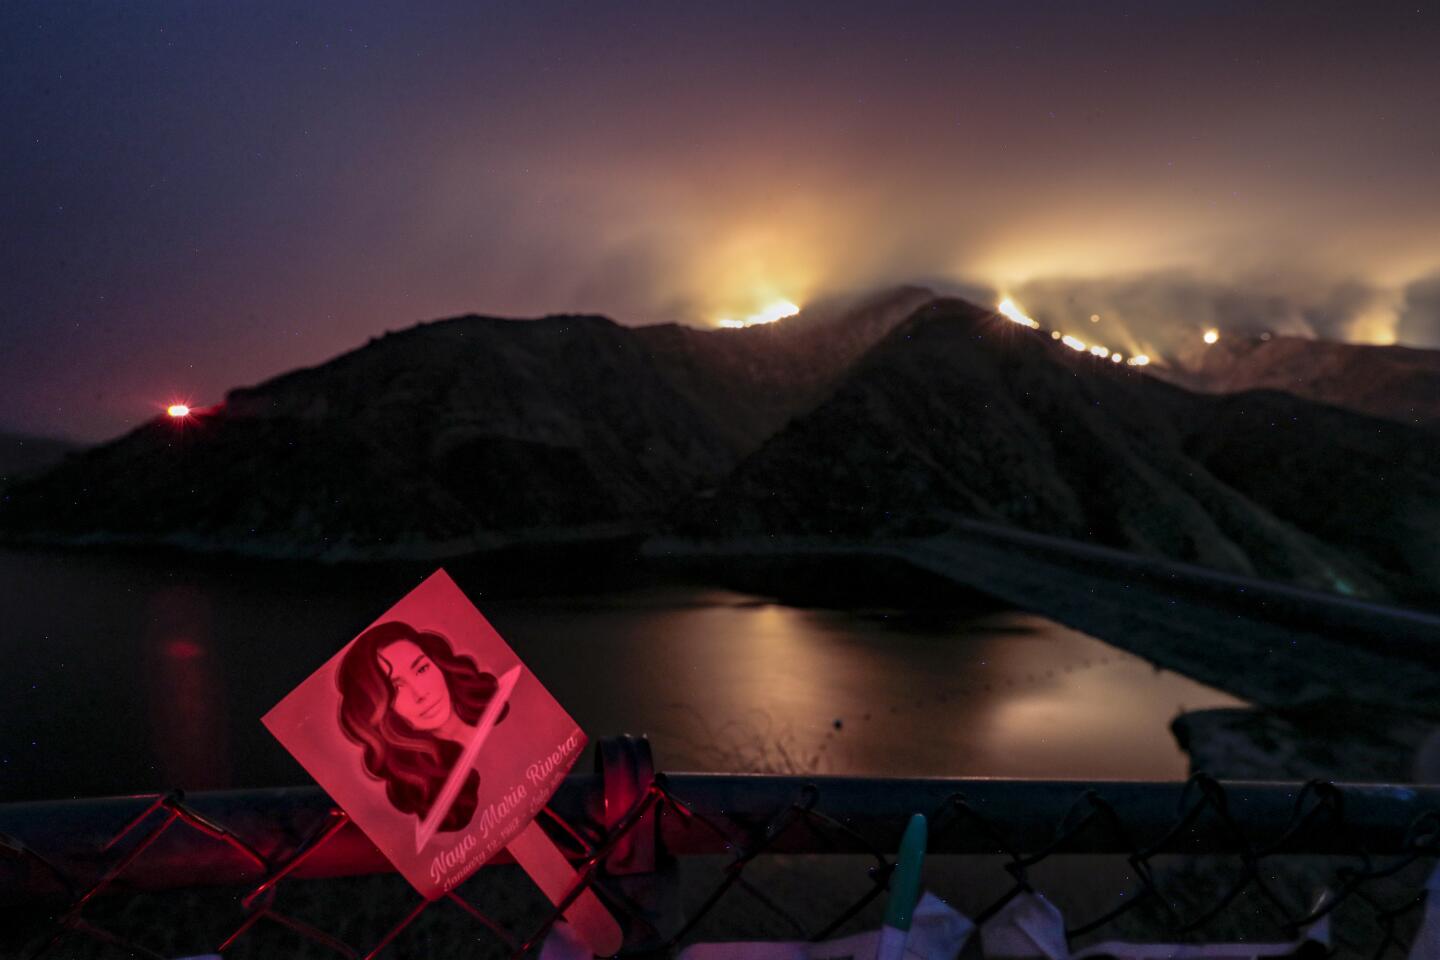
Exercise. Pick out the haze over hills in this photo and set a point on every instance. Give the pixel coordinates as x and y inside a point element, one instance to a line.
<point>1400,383</point>
<point>898,414</point>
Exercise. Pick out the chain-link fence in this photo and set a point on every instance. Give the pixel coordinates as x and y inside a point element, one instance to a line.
<point>693,856</point>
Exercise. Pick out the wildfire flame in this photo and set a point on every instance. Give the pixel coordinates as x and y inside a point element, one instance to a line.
<point>1007,309</point>
<point>778,310</point>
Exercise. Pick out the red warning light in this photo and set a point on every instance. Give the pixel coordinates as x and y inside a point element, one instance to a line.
<point>178,410</point>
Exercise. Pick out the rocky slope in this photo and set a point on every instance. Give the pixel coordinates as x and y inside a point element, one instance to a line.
<point>1398,383</point>
<point>747,383</point>
<point>960,415</point>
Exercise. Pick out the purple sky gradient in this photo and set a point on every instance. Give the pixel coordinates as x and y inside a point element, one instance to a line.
<point>198,196</point>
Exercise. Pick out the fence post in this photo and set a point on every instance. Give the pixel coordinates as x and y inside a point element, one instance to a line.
<point>627,770</point>
<point>639,876</point>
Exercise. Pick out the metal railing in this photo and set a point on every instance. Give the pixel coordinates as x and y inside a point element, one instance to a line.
<point>625,827</point>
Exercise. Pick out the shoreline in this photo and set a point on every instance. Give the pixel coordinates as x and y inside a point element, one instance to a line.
<point>1357,701</point>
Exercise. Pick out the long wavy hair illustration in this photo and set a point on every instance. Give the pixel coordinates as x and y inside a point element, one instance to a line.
<point>405,695</point>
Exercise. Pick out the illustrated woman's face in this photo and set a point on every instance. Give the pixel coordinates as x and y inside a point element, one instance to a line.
<point>421,696</point>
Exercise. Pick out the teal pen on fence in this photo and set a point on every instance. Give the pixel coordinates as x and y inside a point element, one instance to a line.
<point>904,891</point>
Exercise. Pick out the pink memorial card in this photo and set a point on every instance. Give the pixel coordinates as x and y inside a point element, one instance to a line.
<point>432,735</point>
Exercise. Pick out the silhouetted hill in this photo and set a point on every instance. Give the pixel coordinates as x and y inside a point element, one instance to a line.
<point>958,414</point>
<point>1399,383</point>
<point>455,436</point>
<point>747,383</point>
<point>450,436</point>
<point>1368,487</point>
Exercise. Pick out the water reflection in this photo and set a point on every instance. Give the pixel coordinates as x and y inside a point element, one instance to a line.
<point>126,676</point>
<point>733,685</point>
<point>183,691</point>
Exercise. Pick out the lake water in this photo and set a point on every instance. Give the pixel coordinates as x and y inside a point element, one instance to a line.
<point>124,673</point>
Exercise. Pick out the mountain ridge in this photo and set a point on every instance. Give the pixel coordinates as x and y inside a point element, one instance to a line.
<point>961,414</point>
<point>470,432</point>
<point>890,415</point>
<point>1395,382</point>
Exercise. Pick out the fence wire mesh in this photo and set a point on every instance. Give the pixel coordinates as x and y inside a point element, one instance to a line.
<point>736,897</point>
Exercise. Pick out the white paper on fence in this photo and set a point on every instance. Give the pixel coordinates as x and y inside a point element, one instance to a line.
<point>1027,926</point>
<point>937,932</point>
<point>1427,938</point>
<point>1031,927</point>
<point>563,943</point>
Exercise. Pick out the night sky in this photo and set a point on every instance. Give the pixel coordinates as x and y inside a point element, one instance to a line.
<point>202,195</point>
